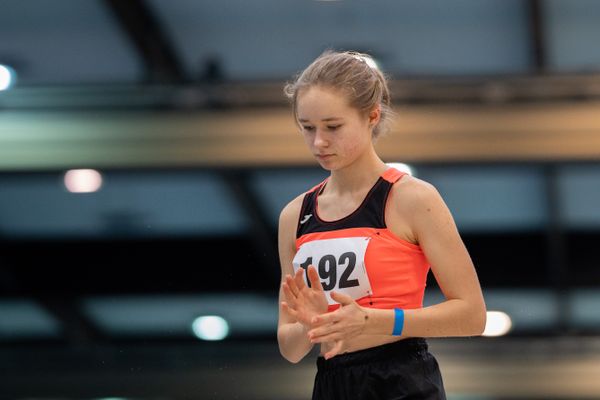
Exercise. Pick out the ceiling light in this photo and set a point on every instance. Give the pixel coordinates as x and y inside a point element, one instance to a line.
<point>83,180</point>
<point>210,327</point>
<point>7,77</point>
<point>498,324</point>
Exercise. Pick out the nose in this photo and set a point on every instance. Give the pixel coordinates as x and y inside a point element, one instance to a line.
<point>320,139</point>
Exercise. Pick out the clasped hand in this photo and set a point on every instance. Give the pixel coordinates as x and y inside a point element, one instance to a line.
<point>308,305</point>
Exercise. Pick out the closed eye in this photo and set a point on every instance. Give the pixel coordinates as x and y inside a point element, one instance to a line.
<point>308,128</point>
<point>333,127</point>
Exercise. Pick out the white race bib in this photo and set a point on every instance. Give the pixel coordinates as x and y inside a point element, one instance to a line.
<point>340,264</point>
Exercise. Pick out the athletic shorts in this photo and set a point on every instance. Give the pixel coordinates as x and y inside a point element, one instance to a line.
<point>401,370</point>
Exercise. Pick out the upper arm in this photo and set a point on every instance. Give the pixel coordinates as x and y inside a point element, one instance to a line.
<point>288,221</point>
<point>435,230</point>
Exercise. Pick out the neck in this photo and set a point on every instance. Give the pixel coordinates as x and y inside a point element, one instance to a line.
<point>357,176</point>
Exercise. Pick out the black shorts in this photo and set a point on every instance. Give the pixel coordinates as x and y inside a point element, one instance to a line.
<point>401,370</point>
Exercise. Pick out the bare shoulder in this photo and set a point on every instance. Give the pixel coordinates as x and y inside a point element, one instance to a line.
<point>413,202</point>
<point>412,194</point>
<point>291,212</point>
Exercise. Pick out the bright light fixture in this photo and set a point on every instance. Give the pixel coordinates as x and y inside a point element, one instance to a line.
<point>210,327</point>
<point>7,77</point>
<point>498,324</point>
<point>83,180</point>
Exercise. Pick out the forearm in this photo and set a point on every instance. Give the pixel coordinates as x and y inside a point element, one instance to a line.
<point>451,318</point>
<point>293,341</point>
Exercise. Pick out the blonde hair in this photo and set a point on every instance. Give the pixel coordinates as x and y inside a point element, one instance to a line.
<point>352,73</point>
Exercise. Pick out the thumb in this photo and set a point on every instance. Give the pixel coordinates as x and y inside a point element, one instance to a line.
<point>341,298</point>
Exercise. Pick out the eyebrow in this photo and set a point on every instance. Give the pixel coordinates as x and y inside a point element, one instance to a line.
<point>324,119</point>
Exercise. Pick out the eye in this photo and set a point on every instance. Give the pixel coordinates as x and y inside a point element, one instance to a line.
<point>308,128</point>
<point>333,127</point>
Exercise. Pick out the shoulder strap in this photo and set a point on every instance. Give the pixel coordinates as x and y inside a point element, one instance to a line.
<point>392,175</point>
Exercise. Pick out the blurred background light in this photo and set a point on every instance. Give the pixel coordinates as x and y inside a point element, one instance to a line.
<point>498,324</point>
<point>112,398</point>
<point>83,180</point>
<point>7,77</point>
<point>402,167</point>
<point>210,327</point>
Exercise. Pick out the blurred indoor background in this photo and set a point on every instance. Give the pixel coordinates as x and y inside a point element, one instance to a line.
<point>146,150</point>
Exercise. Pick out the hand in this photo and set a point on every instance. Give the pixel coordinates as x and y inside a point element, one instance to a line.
<point>302,302</point>
<point>340,325</point>
<point>339,347</point>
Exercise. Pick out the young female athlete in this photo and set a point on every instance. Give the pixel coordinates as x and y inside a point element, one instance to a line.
<point>356,249</point>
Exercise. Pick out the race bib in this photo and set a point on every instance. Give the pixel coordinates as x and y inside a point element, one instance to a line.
<point>340,263</point>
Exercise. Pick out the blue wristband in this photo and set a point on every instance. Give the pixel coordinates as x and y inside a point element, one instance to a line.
<point>398,321</point>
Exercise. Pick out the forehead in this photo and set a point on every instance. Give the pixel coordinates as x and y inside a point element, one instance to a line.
<point>322,103</point>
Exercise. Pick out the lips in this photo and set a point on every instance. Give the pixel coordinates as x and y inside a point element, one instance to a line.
<point>324,156</point>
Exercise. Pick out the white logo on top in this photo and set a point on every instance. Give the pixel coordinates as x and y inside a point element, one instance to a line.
<point>306,218</point>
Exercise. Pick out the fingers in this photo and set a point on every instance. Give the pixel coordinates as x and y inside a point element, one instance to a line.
<point>337,349</point>
<point>289,294</point>
<point>324,319</point>
<point>341,298</point>
<point>291,283</point>
<point>299,279</point>
<point>290,310</point>
<point>326,338</point>
<point>323,330</point>
<point>315,280</point>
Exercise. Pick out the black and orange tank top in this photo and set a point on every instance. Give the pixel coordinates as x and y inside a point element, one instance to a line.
<point>358,255</point>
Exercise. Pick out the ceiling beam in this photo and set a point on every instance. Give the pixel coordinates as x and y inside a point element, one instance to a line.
<point>144,30</point>
<point>76,329</point>
<point>536,29</point>
<point>261,233</point>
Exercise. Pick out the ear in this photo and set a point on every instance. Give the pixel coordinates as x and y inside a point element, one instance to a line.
<point>375,115</point>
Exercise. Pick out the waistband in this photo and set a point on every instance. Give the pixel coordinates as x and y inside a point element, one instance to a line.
<point>404,349</point>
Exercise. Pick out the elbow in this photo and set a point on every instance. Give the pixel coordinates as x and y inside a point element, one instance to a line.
<point>475,319</point>
<point>290,356</point>
<point>479,320</point>
<point>288,353</point>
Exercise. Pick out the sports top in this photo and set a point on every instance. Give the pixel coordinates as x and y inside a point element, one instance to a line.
<point>358,255</point>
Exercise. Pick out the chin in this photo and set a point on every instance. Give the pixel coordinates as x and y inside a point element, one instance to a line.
<point>325,164</point>
<point>329,166</point>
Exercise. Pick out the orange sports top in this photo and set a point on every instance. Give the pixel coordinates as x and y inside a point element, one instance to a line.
<point>358,255</point>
